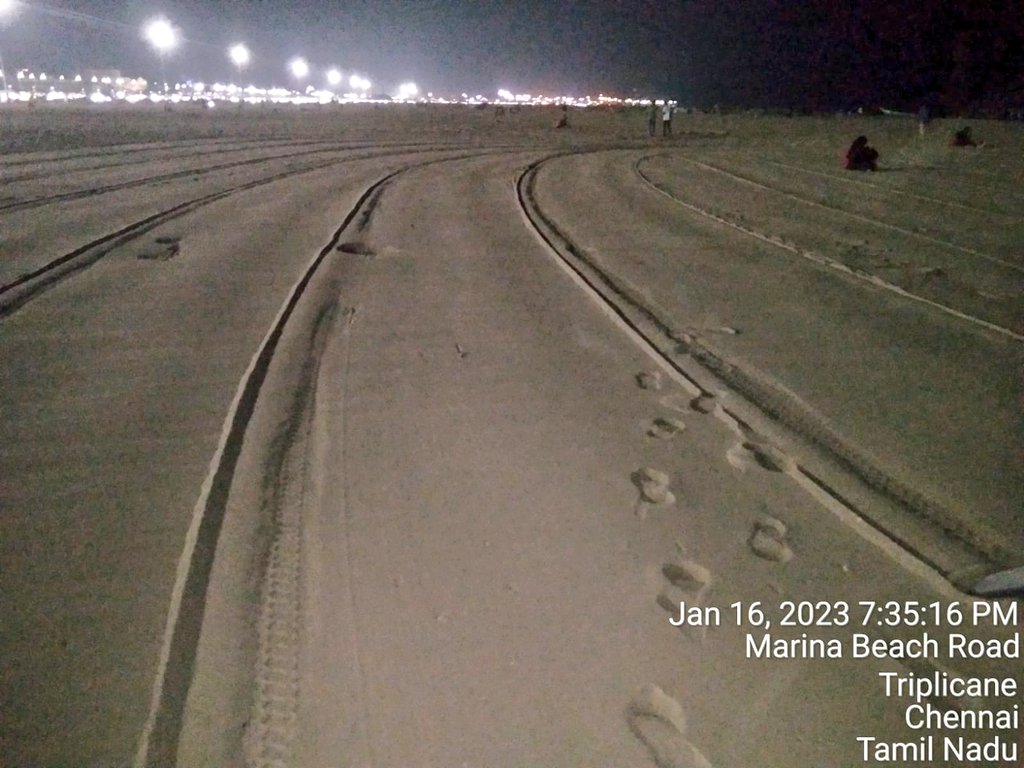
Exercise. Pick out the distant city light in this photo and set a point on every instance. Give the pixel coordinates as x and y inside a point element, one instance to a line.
<point>161,35</point>
<point>505,95</point>
<point>407,91</point>
<point>239,55</point>
<point>333,76</point>
<point>359,83</point>
<point>299,68</point>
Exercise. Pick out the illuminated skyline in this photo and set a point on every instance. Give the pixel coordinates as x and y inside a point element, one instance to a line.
<point>802,53</point>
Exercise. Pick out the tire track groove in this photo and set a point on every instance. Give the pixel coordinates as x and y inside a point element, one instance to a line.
<point>28,286</point>
<point>278,625</point>
<point>866,219</point>
<point>159,740</point>
<point>825,261</point>
<point>979,544</point>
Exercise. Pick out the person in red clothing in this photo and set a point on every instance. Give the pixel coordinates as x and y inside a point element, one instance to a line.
<point>860,156</point>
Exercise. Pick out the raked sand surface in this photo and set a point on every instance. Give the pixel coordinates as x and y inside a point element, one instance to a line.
<point>395,436</point>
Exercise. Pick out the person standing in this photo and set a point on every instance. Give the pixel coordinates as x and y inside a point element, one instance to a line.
<point>666,118</point>
<point>652,119</point>
<point>924,116</point>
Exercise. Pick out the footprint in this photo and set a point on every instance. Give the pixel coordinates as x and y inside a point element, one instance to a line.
<point>665,427</point>
<point>688,582</point>
<point>356,247</point>
<point>769,540</point>
<point>165,247</point>
<point>704,404</point>
<point>653,485</point>
<point>688,575</point>
<point>679,403</point>
<point>746,455</point>
<point>654,490</point>
<point>659,722</point>
<point>649,380</point>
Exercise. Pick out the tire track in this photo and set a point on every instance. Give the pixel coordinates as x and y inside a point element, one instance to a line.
<point>115,187</point>
<point>17,293</point>
<point>977,544</point>
<point>185,152</point>
<point>158,742</point>
<point>848,179</point>
<point>175,153</point>
<point>866,219</point>
<point>825,261</point>
<point>31,157</point>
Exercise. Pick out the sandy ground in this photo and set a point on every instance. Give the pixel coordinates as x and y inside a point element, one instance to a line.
<point>316,453</point>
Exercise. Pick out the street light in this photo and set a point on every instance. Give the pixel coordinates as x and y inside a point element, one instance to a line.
<point>333,77</point>
<point>239,55</point>
<point>299,68</point>
<point>162,36</point>
<point>359,83</point>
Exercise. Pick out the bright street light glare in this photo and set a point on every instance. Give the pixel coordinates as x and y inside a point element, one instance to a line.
<point>407,90</point>
<point>299,68</point>
<point>333,76</point>
<point>239,55</point>
<point>359,83</point>
<point>7,7</point>
<point>161,35</point>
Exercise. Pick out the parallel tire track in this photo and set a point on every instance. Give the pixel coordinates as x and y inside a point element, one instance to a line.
<point>277,623</point>
<point>158,744</point>
<point>849,179</point>
<point>980,545</point>
<point>866,219</point>
<point>117,186</point>
<point>175,153</point>
<point>25,157</point>
<point>240,145</point>
<point>17,293</point>
<point>824,261</point>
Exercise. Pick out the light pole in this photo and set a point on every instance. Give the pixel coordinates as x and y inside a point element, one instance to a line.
<point>163,37</point>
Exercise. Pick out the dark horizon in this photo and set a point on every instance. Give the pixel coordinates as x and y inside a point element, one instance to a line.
<point>761,53</point>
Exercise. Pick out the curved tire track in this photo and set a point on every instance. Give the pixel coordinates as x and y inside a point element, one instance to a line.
<point>170,153</point>
<point>980,546</point>
<point>890,190</point>
<point>824,260</point>
<point>159,741</point>
<point>117,186</point>
<point>17,293</point>
<point>858,217</point>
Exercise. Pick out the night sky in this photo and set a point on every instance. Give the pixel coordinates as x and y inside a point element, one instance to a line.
<point>817,54</point>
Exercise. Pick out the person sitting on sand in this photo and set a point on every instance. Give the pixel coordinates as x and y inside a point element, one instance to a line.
<point>860,156</point>
<point>963,138</point>
<point>563,121</point>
